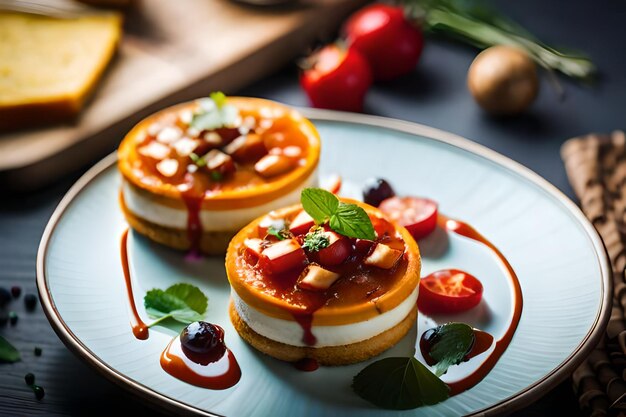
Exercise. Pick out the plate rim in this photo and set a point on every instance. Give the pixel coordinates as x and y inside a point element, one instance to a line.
<point>529,394</point>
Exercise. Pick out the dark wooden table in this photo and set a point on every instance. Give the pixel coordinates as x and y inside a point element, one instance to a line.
<point>435,95</point>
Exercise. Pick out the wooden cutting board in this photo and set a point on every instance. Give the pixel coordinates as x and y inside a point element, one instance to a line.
<point>171,51</point>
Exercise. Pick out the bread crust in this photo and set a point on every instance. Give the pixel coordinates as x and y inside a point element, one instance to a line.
<point>327,355</point>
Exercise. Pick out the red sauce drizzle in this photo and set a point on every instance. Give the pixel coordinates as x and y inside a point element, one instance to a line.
<point>194,226</point>
<point>474,378</point>
<point>306,365</point>
<point>140,330</point>
<point>305,321</point>
<point>218,375</point>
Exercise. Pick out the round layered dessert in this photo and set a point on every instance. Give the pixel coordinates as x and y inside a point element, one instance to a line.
<point>195,173</point>
<point>304,290</point>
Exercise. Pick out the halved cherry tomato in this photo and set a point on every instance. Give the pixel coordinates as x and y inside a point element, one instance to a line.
<point>338,79</point>
<point>449,291</point>
<point>391,44</point>
<point>418,215</point>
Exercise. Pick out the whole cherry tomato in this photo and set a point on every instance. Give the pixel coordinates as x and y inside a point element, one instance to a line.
<point>417,215</point>
<point>449,291</point>
<point>391,44</point>
<point>337,79</point>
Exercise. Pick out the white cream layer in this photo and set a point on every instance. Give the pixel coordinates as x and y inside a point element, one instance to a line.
<point>212,220</point>
<point>290,332</point>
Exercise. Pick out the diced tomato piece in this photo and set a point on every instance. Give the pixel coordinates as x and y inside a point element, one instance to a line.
<point>219,164</point>
<point>269,221</point>
<point>254,246</point>
<point>282,256</point>
<point>383,256</point>
<point>246,148</point>
<point>418,215</point>
<point>301,223</point>
<point>317,278</point>
<point>273,165</point>
<point>363,246</point>
<point>337,251</point>
<point>333,184</point>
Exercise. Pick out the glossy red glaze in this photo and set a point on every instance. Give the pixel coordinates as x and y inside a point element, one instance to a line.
<point>140,329</point>
<point>501,345</point>
<point>217,375</point>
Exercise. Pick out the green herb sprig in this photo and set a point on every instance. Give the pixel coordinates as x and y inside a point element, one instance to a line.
<point>405,383</point>
<point>279,233</point>
<point>214,112</point>
<point>473,23</point>
<point>316,240</point>
<point>345,218</point>
<point>184,303</point>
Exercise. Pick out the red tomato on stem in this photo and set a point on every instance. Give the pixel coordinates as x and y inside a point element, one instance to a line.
<point>449,291</point>
<point>418,215</point>
<point>337,79</point>
<point>391,44</point>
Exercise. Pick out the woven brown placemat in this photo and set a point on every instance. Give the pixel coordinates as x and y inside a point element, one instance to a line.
<point>596,168</point>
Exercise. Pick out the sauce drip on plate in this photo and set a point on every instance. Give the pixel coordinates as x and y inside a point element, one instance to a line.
<point>475,377</point>
<point>191,368</point>
<point>140,330</point>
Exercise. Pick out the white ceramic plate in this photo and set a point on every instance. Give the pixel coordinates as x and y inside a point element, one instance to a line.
<point>556,253</point>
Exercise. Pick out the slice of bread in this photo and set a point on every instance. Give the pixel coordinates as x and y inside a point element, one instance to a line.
<point>48,66</point>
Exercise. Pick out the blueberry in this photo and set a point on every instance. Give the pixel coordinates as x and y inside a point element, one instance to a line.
<point>376,190</point>
<point>29,379</point>
<point>39,392</point>
<point>30,301</point>
<point>5,296</point>
<point>205,339</point>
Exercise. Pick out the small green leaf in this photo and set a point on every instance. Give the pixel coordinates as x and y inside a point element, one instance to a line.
<point>182,302</point>
<point>159,300</point>
<point>186,316</point>
<point>319,204</point>
<point>214,113</point>
<point>399,384</point>
<point>280,234</point>
<point>190,295</point>
<point>315,241</point>
<point>450,343</point>
<point>218,98</point>
<point>352,221</point>
<point>8,353</point>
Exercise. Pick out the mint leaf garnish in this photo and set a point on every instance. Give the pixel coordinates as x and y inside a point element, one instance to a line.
<point>182,302</point>
<point>399,384</point>
<point>315,241</point>
<point>213,113</point>
<point>352,221</point>
<point>8,353</point>
<point>348,219</point>
<point>450,343</point>
<point>319,204</point>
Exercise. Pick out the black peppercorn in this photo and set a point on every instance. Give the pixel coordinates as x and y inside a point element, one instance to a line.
<point>29,378</point>
<point>30,301</point>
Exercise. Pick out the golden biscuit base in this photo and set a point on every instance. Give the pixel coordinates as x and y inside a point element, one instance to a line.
<point>211,243</point>
<point>327,355</point>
